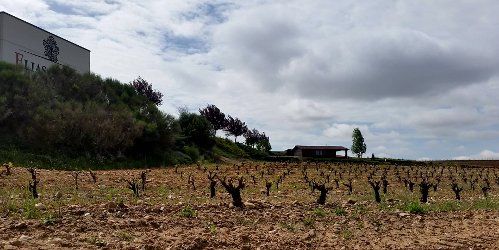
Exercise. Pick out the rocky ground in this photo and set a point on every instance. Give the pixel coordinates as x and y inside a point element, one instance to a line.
<point>262,226</point>
<point>171,215</point>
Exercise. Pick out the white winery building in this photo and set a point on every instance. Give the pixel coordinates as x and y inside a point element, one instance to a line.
<point>36,49</point>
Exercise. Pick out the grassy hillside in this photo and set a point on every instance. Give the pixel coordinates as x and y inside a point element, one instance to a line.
<point>235,150</point>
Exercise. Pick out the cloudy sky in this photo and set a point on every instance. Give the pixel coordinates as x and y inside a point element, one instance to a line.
<point>419,78</point>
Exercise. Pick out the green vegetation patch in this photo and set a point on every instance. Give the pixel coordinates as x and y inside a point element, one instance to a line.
<point>415,207</point>
<point>188,212</point>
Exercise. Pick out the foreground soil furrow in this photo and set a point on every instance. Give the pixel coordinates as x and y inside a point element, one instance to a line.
<point>136,228</point>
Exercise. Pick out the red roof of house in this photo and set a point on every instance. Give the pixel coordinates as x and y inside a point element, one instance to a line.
<point>320,147</point>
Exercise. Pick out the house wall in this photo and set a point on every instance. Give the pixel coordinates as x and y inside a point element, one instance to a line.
<point>22,43</point>
<point>313,153</point>
<point>299,153</point>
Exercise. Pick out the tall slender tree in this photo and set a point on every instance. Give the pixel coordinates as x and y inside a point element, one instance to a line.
<point>358,144</point>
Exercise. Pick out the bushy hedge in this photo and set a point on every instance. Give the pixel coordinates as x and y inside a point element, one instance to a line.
<point>63,119</point>
<point>61,112</point>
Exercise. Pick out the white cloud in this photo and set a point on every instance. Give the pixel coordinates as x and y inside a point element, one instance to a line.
<point>305,73</point>
<point>336,52</point>
<point>344,131</point>
<point>462,158</point>
<point>483,155</point>
<point>489,155</point>
<point>424,159</point>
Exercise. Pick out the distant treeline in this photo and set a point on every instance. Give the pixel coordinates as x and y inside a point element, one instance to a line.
<point>65,115</point>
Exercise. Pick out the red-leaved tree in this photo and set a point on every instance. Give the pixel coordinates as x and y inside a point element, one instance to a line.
<point>144,88</point>
<point>213,114</point>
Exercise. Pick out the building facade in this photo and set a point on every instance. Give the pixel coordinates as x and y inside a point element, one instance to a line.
<point>319,151</point>
<point>36,49</point>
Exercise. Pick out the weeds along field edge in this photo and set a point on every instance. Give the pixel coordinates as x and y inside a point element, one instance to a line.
<point>384,187</point>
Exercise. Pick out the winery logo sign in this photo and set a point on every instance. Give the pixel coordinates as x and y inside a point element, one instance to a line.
<point>35,49</point>
<point>51,48</point>
<point>28,59</point>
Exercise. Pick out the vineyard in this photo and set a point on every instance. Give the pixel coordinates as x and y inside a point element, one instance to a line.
<point>253,205</point>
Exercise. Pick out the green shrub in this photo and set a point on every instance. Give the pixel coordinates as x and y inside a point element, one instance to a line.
<point>29,209</point>
<point>96,241</point>
<point>288,226</point>
<point>486,204</point>
<point>213,228</point>
<point>252,152</point>
<point>196,130</point>
<point>347,234</point>
<point>415,207</point>
<point>49,219</point>
<point>448,206</point>
<point>116,123</point>
<point>188,212</point>
<point>125,236</point>
<point>192,152</point>
<point>319,212</point>
<point>339,211</point>
<point>309,222</point>
<point>9,207</point>
<point>180,158</point>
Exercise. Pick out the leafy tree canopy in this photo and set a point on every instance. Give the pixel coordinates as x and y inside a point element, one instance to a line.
<point>61,111</point>
<point>358,144</point>
<point>197,130</point>
<point>235,127</point>
<point>213,114</point>
<point>144,88</point>
<point>256,139</point>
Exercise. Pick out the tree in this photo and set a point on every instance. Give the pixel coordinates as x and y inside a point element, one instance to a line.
<point>358,144</point>
<point>62,112</point>
<point>252,136</point>
<point>144,88</point>
<point>263,143</point>
<point>214,115</point>
<point>197,130</point>
<point>257,140</point>
<point>235,127</point>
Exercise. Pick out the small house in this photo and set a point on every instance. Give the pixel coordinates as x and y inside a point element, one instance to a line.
<point>319,151</point>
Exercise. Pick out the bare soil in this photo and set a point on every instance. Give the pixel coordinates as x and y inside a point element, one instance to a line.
<point>170,214</point>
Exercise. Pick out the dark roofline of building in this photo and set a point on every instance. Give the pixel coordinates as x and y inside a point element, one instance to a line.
<point>320,147</point>
<point>3,12</point>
